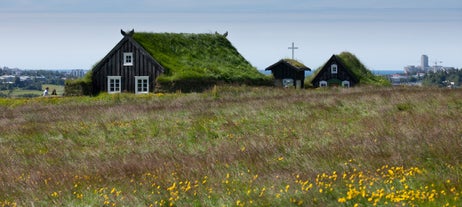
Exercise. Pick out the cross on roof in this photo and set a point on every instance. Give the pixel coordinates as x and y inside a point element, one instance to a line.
<point>293,48</point>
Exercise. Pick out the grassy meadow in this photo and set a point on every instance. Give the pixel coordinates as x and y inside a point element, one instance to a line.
<point>33,93</point>
<point>234,146</point>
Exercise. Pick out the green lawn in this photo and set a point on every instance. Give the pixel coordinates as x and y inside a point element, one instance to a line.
<point>59,88</point>
<point>234,146</point>
<point>21,92</point>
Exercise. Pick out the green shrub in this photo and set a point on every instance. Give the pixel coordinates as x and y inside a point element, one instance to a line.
<point>79,87</point>
<point>404,106</point>
<point>194,83</point>
<point>27,95</point>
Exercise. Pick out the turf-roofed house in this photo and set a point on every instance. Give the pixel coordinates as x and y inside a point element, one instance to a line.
<point>288,73</point>
<point>334,73</point>
<point>146,62</point>
<point>345,70</point>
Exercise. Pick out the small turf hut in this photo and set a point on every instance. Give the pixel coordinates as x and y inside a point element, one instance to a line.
<point>288,72</point>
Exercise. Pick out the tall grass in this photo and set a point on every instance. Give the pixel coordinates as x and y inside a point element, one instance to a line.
<point>234,146</point>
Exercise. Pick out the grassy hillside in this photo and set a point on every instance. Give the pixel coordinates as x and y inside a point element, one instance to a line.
<point>199,58</point>
<point>234,146</point>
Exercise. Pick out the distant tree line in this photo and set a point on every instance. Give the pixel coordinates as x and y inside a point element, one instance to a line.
<point>443,78</point>
<point>32,79</point>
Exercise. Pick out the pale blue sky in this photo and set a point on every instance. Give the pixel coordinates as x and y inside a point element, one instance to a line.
<point>384,34</point>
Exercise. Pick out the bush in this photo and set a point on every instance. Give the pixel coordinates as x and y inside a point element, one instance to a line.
<point>200,84</point>
<point>404,106</point>
<point>185,85</point>
<point>79,87</point>
<point>28,95</point>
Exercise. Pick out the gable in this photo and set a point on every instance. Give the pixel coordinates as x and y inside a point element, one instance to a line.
<point>125,64</point>
<point>127,44</point>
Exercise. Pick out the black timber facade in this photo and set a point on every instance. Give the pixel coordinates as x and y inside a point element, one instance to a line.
<point>334,73</point>
<point>114,67</point>
<point>288,69</point>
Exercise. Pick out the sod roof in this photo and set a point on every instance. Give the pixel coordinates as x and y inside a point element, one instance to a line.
<point>197,56</point>
<point>292,63</point>
<point>300,66</point>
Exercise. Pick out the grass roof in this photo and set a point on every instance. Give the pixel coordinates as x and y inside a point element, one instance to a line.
<point>296,64</point>
<point>197,56</point>
<point>356,67</point>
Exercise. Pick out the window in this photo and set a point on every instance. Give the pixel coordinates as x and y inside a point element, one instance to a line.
<point>128,59</point>
<point>346,84</point>
<point>322,83</point>
<point>334,69</point>
<point>113,84</point>
<point>287,82</point>
<point>142,84</point>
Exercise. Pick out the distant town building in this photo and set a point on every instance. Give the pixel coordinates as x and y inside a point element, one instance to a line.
<point>77,73</point>
<point>25,78</point>
<point>424,67</point>
<point>424,62</point>
<point>410,69</point>
<point>7,78</point>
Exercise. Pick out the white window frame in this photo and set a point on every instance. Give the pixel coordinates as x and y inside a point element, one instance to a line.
<point>115,88</point>
<point>288,82</point>
<point>346,84</point>
<point>334,68</point>
<point>322,83</point>
<point>128,59</point>
<point>141,78</point>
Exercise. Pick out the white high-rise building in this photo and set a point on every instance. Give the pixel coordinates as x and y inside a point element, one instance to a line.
<point>424,62</point>
<point>77,73</point>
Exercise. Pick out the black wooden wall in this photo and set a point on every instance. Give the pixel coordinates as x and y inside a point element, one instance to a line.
<point>342,73</point>
<point>282,71</point>
<point>113,65</point>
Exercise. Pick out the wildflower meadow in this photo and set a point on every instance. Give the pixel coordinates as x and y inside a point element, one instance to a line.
<point>234,146</point>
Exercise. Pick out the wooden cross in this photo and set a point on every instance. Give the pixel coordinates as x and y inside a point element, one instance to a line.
<point>293,48</point>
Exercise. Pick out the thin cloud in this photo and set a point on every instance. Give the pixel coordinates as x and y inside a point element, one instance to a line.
<point>217,5</point>
<point>260,29</point>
